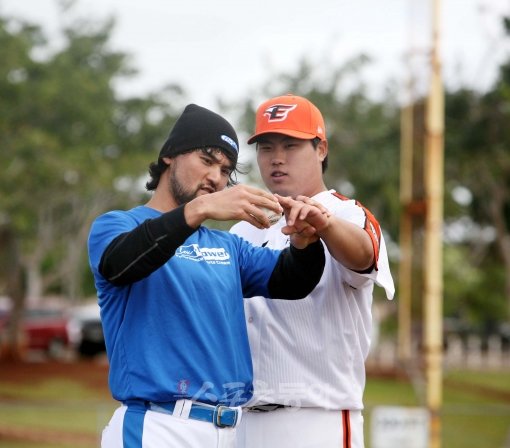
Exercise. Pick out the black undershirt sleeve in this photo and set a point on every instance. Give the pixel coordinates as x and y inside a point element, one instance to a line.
<point>136,254</point>
<point>297,272</point>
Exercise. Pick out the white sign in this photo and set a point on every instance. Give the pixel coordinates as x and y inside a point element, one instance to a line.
<point>396,426</point>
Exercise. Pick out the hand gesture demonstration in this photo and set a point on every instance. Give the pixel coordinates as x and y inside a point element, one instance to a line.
<point>305,218</point>
<point>240,202</point>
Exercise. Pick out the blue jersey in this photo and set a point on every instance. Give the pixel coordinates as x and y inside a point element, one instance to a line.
<point>180,332</point>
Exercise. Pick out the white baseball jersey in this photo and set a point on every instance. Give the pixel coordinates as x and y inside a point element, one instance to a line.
<point>311,352</point>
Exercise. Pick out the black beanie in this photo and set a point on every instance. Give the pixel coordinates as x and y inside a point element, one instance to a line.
<point>199,127</point>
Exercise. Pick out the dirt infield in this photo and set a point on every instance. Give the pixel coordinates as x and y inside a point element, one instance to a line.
<point>47,437</point>
<point>91,373</point>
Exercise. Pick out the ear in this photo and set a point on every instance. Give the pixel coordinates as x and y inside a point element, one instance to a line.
<point>167,160</point>
<point>322,149</point>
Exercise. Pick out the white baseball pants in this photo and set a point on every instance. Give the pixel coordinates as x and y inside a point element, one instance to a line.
<point>301,428</point>
<point>146,428</point>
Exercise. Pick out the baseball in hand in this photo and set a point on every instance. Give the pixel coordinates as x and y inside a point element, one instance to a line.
<point>271,215</point>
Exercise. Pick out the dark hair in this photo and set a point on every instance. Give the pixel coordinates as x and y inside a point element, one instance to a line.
<point>156,169</point>
<point>315,143</point>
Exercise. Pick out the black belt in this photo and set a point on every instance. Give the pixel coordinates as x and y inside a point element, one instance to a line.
<point>265,407</point>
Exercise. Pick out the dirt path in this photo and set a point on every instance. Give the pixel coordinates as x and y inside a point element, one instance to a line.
<point>91,373</point>
<point>49,437</point>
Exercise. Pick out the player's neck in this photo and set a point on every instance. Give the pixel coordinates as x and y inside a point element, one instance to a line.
<point>162,201</point>
<point>314,189</point>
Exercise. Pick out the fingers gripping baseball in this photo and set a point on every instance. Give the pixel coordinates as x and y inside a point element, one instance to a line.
<point>241,202</point>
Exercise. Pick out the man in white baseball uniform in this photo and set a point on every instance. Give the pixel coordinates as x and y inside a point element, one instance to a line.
<point>309,355</point>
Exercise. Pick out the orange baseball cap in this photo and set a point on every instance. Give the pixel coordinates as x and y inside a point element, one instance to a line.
<point>290,115</point>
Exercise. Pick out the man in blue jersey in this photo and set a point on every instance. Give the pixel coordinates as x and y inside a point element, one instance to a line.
<point>171,290</point>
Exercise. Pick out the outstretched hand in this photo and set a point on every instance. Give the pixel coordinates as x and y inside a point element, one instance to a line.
<point>241,202</point>
<point>304,219</point>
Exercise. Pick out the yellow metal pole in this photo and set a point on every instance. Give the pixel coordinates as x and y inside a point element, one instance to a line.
<point>405,266</point>
<point>433,260</point>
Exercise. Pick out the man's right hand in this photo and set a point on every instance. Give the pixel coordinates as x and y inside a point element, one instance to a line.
<point>305,218</point>
<point>241,202</point>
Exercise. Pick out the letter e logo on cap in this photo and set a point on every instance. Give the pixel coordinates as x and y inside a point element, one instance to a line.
<point>279,112</point>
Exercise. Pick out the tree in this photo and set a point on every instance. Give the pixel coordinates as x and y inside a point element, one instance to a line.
<point>478,142</point>
<point>70,148</point>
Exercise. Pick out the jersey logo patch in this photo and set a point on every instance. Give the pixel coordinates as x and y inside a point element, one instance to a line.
<point>278,112</point>
<point>182,387</point>
<point>211,255</point>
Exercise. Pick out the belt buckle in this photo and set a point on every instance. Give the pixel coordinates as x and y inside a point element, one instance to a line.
<point>218,412</point>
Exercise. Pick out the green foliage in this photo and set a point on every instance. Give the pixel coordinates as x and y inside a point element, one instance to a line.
<point>477,157</point>
<point>364,152</point>
<point>475,296</point>
<point>70,147</point>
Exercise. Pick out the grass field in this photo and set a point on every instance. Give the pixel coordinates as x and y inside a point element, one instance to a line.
<point>67,408</point>
<point>475,411</point>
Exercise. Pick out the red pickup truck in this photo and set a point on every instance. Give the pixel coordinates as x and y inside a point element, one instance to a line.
<point>43,329</point>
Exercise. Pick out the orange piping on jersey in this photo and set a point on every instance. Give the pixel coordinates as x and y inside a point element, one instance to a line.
<point>346,423</point>
<point>371,226</point>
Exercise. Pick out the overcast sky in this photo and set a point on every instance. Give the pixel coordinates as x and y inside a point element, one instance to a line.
<point>226,48</point>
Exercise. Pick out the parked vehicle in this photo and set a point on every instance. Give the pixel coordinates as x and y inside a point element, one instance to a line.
<point>86,330</point>
<point>42,329</point>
